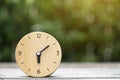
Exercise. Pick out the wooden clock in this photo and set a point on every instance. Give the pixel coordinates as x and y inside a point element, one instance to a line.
<point>38,54</point>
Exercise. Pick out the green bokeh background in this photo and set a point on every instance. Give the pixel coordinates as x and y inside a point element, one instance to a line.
<point>88,30</point>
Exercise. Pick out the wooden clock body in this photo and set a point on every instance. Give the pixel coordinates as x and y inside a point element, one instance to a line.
<point>26,57</point>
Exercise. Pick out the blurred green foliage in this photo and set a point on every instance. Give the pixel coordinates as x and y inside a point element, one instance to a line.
<point>88,30</point>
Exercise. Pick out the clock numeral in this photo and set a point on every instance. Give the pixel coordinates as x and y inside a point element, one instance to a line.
<point>29,69</point>
<point>47,69</point>
<point>28,37</point>
<point>54,43</point>
<point>54,62</point>
<point>58,53</point>
<point>47,37</point>
<point>38,71</point>
<point>22,44</point>
<point>38,35</point>
<point>19,53</point>
<point>22,62</point>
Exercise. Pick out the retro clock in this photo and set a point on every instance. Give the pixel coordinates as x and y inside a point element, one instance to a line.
<point>38,54</point>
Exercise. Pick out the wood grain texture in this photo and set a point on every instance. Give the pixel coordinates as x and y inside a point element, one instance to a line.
<point>26,58</point>
<point>67,71</point>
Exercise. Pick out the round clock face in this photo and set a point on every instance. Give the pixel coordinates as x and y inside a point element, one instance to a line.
<point>38,54</point>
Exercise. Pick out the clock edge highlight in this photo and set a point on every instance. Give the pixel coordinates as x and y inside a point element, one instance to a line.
<point>33,75</point>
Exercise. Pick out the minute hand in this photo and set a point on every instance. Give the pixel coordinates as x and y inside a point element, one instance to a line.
<point>44,48</point>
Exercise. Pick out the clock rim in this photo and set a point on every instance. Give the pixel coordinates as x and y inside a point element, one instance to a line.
<point>28,72</point>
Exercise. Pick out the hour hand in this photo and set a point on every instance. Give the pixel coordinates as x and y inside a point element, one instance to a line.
<point>38,54</point>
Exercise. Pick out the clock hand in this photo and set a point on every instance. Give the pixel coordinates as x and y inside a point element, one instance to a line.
<point>38,54</point>
<point>44,48</point>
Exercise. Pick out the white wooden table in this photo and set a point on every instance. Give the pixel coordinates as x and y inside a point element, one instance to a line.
<point>67,71</point>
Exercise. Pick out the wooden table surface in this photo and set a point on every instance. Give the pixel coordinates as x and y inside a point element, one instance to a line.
<point>67,71</point>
